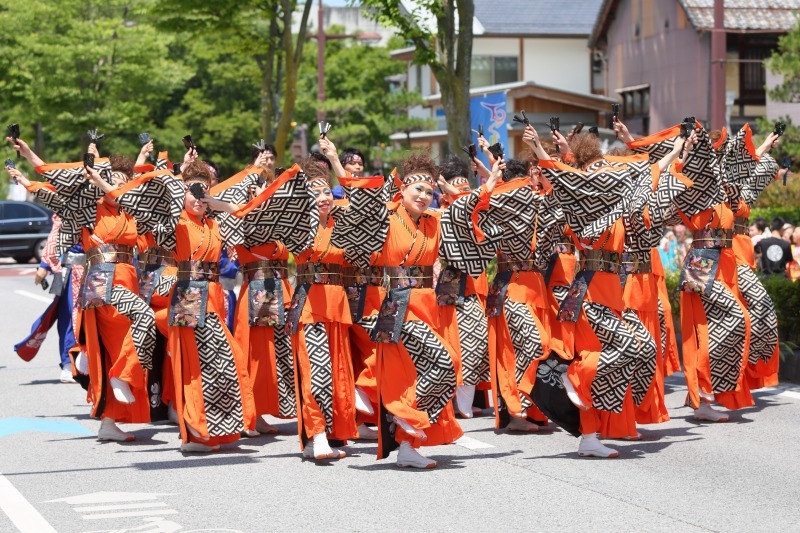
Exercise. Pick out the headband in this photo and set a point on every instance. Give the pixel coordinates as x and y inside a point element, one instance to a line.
<point>459,181</point>
<point>318,182</point>
<point>414,178</point>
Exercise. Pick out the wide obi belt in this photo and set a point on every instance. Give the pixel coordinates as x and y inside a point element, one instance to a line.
<point>189,302</point>
<point>318,274</point>
<point>513,265</point>
<point>600,261</point>
<point>198,271</point>
<point>741,226</point>
<point>264,269</point>
<point>399,282</point>
<point>632,264</point>
<point>371,275</point>
<point>591,262</point>
<point>73,259</point>
<point>265,301</point>
<point>712,238</point>
<point>99,277</point>
<point>157,257</point>
<point>109,253</point>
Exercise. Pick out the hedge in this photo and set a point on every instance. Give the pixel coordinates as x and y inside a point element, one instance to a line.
<point>789,214</point>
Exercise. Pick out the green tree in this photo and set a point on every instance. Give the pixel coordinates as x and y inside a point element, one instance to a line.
<point>359,101</point>
<point>76,64</point>
<point>260,30</point>
<point>447,49</point>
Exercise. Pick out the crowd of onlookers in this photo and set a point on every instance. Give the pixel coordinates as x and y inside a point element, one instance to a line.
<point>776,245</point>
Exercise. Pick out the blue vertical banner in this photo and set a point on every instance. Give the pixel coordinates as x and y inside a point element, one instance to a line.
<point>489,110</point>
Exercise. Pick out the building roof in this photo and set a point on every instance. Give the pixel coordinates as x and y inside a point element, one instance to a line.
<point>745,15</point>
<point>741,16</point>
<point>537,17</point>
<point>554,93</point>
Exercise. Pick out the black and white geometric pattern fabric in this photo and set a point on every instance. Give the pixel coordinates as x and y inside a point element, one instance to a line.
<point>549,225</point>
<point>763,321</point>
<point>79,197</point>
<point>662,327</point>
<point>473,336</point>
<point>701,167</point>
<point>618,357</point>
<point>284,369</point>
<point>315,339</point>
<point>726,336</point>
<point>222,396</point>
<point>658,150</point>
<point>527,342</point>
<point>164,285</point>
<point>436,375</point>
<point>662,202</point>
<point>739,163</point>
<point>763,174</point>
<point>143,322</point>
<point>362,225</point>
<point>287,216</point>
<point>156,205</point>
<point>592,201</point>
<point>458,245</point>
<point>645,370</point>
<point>50,199</point>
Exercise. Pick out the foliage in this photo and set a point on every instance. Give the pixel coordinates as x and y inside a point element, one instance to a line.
<point>785,60</point>
<point>441,32</point>
<point>785,295</point>
<point>80,64</point>
<point>358,100</point>
<point>789,214</point>
<point>778,195</point>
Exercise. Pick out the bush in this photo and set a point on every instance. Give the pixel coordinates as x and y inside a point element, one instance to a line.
<point>785,295</point>
<point>789,214</point>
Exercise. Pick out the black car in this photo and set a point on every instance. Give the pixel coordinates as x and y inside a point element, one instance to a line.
<point>24,227</point>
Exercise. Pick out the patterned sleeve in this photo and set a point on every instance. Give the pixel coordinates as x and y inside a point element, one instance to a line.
<point>50,255</point>
<point>765,172</point>
<point>362,227</point>
<point>460,244</point>
<point>657,145</point>
<point>701,167</point>
<point>155,200</point>
<point>740,157</point>
<point>237,188</point>
<point>592,201</point>
<point>46,194</point>
<point>285,211</point>
<point>549,228</point>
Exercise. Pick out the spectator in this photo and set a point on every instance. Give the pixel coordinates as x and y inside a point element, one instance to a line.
<point>683,242</point>
<point>775,252</point>
<point>760,230</point>
<point>667,250</point>
<point>793,269</point>
<point>786,232</point>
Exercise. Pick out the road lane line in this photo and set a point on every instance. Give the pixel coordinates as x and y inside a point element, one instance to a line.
<point>132,513</point>
<point>472,444</point>
<point>34,296</point>
<point>22,514</point>
<point>118,507</point>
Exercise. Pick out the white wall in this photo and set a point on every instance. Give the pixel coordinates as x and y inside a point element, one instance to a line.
<point>493,46</point>
<point>775,109</point>
<point>561,63</point>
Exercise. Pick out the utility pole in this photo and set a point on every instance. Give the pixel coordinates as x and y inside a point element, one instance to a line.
<point>718,52</point>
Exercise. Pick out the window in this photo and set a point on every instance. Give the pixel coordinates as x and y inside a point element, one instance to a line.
<point>635,108</point>
<point>16,210</point>
<point>490,70</point>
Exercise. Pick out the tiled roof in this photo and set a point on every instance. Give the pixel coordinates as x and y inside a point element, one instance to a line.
<point>537,17</point>
<point>760,15</point>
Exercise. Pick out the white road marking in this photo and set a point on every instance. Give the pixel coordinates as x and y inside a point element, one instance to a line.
<point>34,296</point>
<point>130,513</point>
<point>22,514</point>
<point>26,272</point>
<point>472,444</point>
<point>118,507</point>
<point>111,497</point>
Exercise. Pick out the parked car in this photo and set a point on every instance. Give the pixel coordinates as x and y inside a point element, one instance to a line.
<point>24,227</point>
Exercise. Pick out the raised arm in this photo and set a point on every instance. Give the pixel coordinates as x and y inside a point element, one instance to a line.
<point>25,151</point>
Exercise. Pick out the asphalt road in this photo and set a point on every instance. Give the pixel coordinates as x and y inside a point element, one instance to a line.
<point>684,476</point>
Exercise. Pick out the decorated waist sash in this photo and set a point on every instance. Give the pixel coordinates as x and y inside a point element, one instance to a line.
<point>99,279</point>
<point>152,264</point>
<point>356,281</point>
<point>712,238</point>
<point>562,248</point>
<point>190,295</point>
<point>451,286</point>
<point>399,281</point>
<point>265,292</point>
<point>591,262</point>
<point>741,226</point>
<point>309,274</point>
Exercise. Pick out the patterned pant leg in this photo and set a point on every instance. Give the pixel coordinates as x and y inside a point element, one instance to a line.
<point>284,367</point>
<point>315,339</point>
<point>143,322</point>
<point>618,357</point>
<point>473,334</point>
<point>645,370</point>
<point>662,326</point>
<point>526,339</point>
<point>763,321</point>
<point>222,397</point>
<point>436,375</point>
<point>726,336</point>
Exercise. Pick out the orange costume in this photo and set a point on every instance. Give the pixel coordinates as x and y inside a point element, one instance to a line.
<point>213,395</point>
<point>118,327</point>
